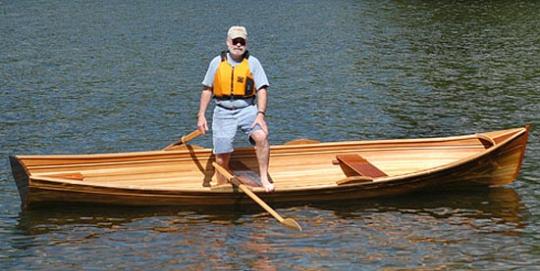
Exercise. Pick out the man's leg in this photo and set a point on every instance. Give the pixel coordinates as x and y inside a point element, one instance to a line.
<point>262,149</point>
<point>223,131</point>
<point>222,160</point>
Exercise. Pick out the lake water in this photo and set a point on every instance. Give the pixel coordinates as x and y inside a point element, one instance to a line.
<point>115,76</point>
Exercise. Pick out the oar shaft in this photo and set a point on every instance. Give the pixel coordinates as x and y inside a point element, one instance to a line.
<point>260,202</point>
<point>289,222</point>
<point>185,139</point>
<point>223,171</point>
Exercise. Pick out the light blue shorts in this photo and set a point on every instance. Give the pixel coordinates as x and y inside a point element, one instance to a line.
<point>225,124</point>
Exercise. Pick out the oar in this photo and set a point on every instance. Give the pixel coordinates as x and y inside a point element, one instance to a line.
<point>288,222</point>
<point>185,139</point>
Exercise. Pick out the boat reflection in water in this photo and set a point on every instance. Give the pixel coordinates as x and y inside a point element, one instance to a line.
<point>495,210</point>
<point>499,205</point>
<point>54,218</point>
<point>443,224</point>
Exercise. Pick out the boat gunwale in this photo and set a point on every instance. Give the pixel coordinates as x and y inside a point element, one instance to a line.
<point>282,147</point>
<point>189,154</point>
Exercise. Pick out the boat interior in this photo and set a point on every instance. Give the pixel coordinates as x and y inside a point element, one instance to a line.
<point>295,165</point>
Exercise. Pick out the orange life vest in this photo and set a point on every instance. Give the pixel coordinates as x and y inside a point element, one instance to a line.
<point>234,82</point>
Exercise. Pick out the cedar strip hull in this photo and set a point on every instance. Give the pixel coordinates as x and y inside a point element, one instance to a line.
<point>496,166</point>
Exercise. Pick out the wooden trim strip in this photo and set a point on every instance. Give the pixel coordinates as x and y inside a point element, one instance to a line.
<point>355,180</point>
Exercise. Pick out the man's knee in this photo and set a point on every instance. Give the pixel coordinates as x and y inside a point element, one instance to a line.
<point>260,137</point>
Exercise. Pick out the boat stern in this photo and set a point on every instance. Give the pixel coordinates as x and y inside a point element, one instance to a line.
<point>505,161</point>
<point>21,179</point>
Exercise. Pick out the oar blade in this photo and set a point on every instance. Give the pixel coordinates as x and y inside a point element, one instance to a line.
<point>291,223</point>
<point>288,222</point>
<point>183,140</point>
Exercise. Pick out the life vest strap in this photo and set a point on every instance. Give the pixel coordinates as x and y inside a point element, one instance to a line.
<point>233,97</point>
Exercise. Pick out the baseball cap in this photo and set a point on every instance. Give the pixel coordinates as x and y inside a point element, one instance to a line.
<point>237,32</point>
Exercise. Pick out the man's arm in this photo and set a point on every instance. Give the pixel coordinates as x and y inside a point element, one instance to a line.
<point>206,97</point>
<point>261,107</point>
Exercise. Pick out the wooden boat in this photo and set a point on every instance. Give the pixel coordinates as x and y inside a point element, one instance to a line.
<point>302,171</point>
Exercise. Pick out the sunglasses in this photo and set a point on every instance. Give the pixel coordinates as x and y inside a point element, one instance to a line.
<point>239,40</point>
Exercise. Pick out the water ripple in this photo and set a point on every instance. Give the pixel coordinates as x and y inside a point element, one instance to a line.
<point>85,77</point>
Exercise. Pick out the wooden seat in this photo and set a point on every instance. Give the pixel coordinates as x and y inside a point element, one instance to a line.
<point>356,165</point>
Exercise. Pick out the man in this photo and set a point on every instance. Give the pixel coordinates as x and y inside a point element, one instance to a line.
<point>238,83</point>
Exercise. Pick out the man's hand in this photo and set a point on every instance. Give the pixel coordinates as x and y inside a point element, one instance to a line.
<point>261,122</point>
<point>206,96</point>
<point>202,125</point>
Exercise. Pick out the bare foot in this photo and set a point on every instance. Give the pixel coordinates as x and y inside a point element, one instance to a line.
<point>218,180</point>
<point>268,186</point>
